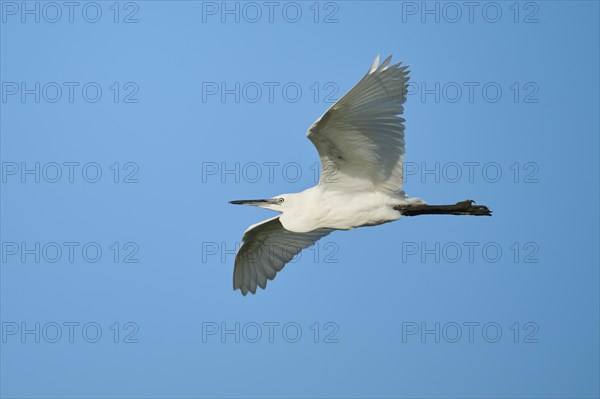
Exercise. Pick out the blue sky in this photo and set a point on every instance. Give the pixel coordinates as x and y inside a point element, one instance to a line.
<point>126,127</point>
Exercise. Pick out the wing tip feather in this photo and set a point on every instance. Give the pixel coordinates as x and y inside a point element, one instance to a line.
<point>375,64</point>
<point>385,65</point>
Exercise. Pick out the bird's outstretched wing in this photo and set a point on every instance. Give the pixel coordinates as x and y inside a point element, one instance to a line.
<point>360,139</point>
<point>266,248</point>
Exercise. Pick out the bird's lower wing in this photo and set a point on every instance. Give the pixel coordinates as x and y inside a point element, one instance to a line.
<point>265,250</point>
<point>360,139</point>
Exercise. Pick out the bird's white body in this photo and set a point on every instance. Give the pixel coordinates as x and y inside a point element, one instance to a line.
<point>324,207</point>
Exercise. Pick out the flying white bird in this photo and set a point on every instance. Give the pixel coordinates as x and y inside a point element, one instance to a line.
<point>360,141</point>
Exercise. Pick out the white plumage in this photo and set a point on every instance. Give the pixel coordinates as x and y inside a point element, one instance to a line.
<point>360,140</point>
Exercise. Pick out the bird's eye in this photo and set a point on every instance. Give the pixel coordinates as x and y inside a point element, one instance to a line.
<point>281,200</point>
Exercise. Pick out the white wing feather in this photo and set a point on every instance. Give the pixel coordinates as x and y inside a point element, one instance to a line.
<point>266,248</point>
<point>360,139</point>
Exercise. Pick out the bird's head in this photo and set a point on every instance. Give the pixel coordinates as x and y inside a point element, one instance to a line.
<point>279,203</point>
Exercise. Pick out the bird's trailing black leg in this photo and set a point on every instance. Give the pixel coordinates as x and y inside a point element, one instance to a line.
<point>460,208</point>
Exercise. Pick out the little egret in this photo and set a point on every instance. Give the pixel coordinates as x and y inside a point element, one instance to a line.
<point>360,140</point>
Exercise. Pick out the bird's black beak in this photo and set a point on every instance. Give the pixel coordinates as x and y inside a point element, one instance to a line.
<point>257,202</point>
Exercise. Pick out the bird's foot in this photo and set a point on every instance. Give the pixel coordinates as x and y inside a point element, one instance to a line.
<point>468,208</point>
